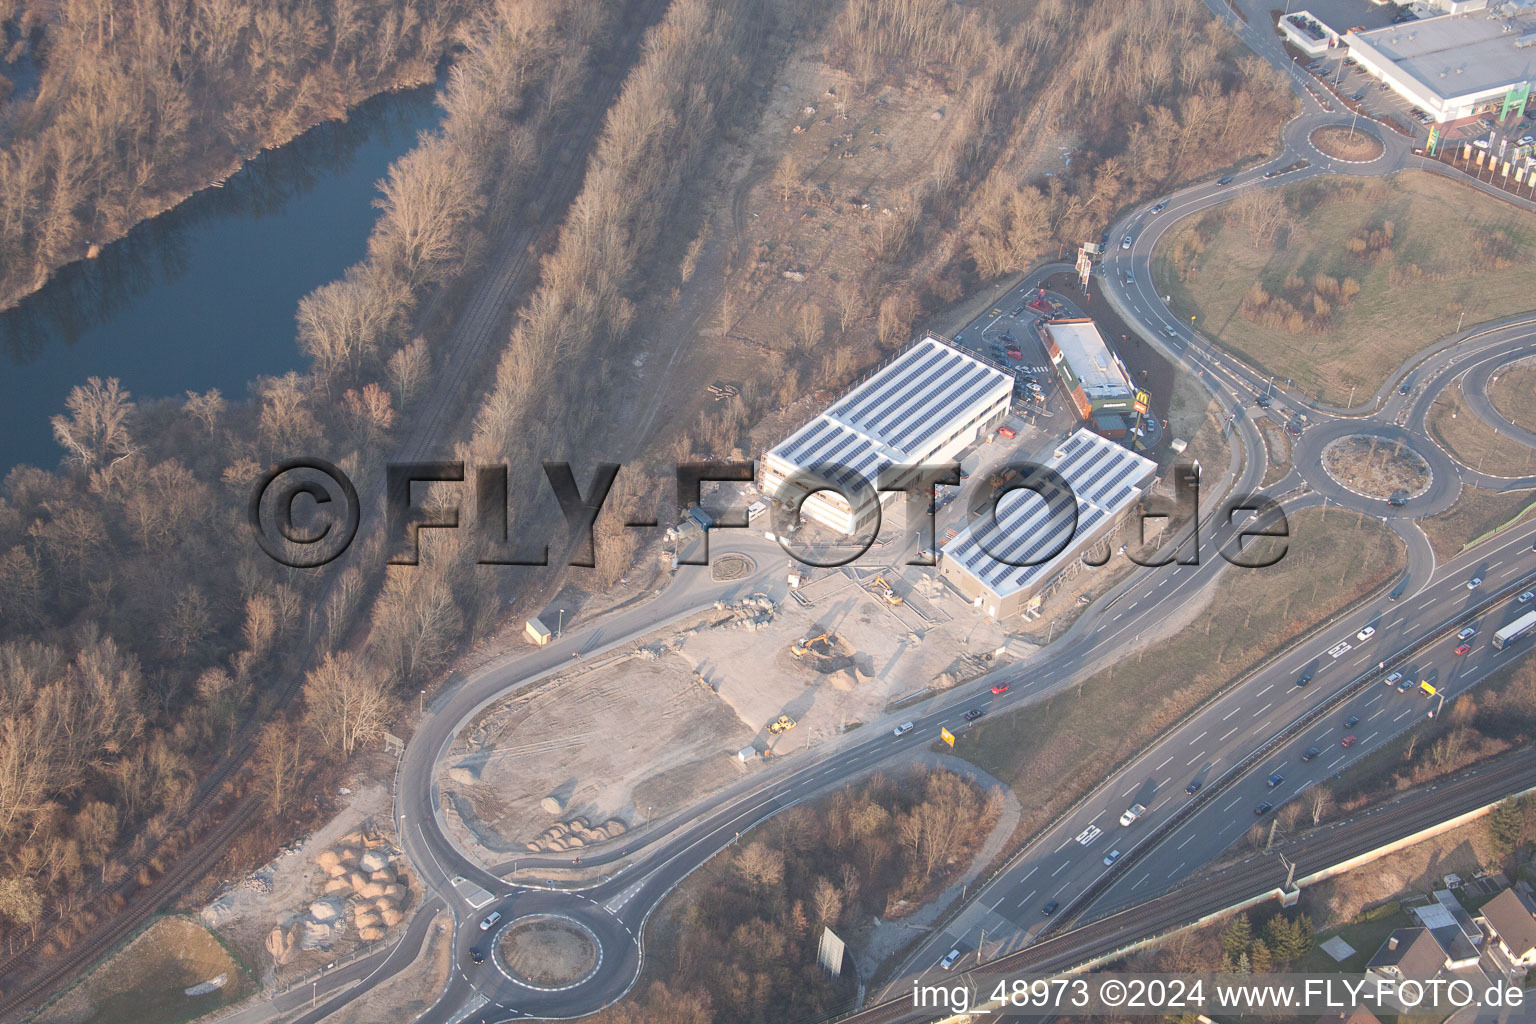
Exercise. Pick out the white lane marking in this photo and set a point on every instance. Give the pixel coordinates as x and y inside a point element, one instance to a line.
<point>1266,689</point>
<point>1263,709</point>
<point>1165,761</point>
<point>1192,837</point>
<point>1028,873</point>
<point>1229,714</point>
<point>1234,803</point>
<point>1229,732</point>
<point>1064,865</point>
<point>1197,739</point>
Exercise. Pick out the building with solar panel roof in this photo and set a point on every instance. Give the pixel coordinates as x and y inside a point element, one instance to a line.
<point>1000,562</point>
<point>924,407</point>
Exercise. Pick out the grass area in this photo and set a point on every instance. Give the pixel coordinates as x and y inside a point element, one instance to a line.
<point>146,982</point>
<point>1052,753</point>
<point>1471,441</point>
<point>1366,934</point>
<point>1475,514</point>
<point>1511,392</point>
<point>1449,250</point>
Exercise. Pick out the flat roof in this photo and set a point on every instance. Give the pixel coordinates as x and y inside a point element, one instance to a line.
<point>1105,478</point>
<point>1090,359</point>
<point>1457,54</point>
<point>904,411</point>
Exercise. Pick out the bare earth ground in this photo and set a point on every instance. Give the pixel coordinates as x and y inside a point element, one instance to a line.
<point>1466,437</point>
<point>1371,466</point>
<point>638,736</point>
<point>1410,297</point>
<point>548,952</point>
<point>1513,393</point>
<point>1475,513</point>
<point>146,982</point>
<point>277,892</point>
<point>408,994</point>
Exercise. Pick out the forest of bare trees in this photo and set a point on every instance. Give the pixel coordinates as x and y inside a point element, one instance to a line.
<point>136,105</point>
<point>745,947</point>
<point>127,587</point>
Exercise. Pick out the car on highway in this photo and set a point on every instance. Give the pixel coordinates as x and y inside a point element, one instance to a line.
<point>1474,582</point>
<point>1467,633</point>
<point>1170,331</point>
<point>1193,787</point>
<point>1224,180</point>
<point>1311,753</point>
<point>1523,598</point>
<point>903,728</point>
<point>1366,633</point>
<point>1462,649</point>
<point>490,920</point>
<point>1125,243</point>
<point>1351,721</point>
<point>1348,741</point>
<point>1160,207</point>
<point>1010,434</point>
<point>973,714</point>
<point>1274,780</point>
<point>1050,908</point>
<point>1129,278</point>
<point>1263,809</point>
<point>1132,813</point>
<point>476,955</point>
<point>1404,685</point>
<point>949,959</point>
<point>1111,857</point>
<point>1306,677</point>
<point>1263,401</point>
<point>1393,679</point>
<point>1000,688</point>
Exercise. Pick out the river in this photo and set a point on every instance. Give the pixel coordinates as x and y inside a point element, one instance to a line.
<point>204,296</point>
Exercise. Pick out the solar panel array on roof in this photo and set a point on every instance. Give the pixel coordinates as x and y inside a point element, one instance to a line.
<point>1006,553</point>
<point>929,391</point>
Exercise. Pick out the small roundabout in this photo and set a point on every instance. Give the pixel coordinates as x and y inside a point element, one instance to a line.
<point>1347,145</point>
<point>548,952</point>
<point>1374,467</point>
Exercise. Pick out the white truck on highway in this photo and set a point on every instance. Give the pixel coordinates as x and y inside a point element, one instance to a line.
<point>1132,813</point>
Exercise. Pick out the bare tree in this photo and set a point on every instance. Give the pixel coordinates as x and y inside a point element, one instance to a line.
<point>95,433</point>
<point>345,703</point>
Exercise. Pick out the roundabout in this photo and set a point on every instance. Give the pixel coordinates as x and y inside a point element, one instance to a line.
<point>1373,467</point>
<point>548,952</point>
<point>1347,145</point>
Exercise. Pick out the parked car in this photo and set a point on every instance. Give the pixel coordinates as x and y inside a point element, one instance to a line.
<point>1111,857</point>
<point>949,959</point>
<point>1311,753</point>
<point>1526,140</point>
<point>903,728</point>
<point>490,920</point>
<point>1463,649</point>
<point>1348,741</point>
<point>1000,688</point>
<point>1366,633</point>
<point>1480,143</point>
<point>1014,352</point>
<point>1010,434</point>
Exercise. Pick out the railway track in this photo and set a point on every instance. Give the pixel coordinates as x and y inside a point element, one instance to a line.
<point>1250,879</point>
<point>468,347</point>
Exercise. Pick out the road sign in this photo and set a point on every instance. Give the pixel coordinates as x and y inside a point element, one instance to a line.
<point>830,953</point>
<point>1427,688</point>
<point>946,736</point>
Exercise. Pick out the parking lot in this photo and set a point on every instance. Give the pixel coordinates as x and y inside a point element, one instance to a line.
<point>1375,100</point>
<point>1007,335</point>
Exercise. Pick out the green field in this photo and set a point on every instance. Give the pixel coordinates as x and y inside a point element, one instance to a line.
<point>1452,254</point>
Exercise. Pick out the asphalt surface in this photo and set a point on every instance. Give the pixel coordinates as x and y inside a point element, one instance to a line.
<point>1213,746</point>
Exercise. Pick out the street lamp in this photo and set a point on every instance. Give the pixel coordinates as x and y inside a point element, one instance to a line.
<point>421,703</point>
<point>560,628</point>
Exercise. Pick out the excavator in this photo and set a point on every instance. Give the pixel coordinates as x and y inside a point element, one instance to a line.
<point>886,590</point>
<point>803,646</point>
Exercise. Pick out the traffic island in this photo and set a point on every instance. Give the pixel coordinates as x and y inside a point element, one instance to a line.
<point>1377,467</point>
<point>545,951</point>
<point>1356,146</point>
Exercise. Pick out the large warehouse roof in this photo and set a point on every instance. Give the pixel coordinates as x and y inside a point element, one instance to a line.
<point>899,415</point>
<point>1105,478</point>
<point>1090,359</point>
<point>1457,54</point>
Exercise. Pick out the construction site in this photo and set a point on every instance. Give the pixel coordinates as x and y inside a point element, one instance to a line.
<point>618,740</point>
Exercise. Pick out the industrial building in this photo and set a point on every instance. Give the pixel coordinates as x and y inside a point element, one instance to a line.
<point>925,406</point>
<point>986,561</point>
<point>1455,66</point>
<point>1092,375</point>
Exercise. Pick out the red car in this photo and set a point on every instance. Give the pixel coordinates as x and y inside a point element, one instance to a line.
<point>1015,353</point>
<point>1000,688</point>
<point>1008,432</point>
<point>1348,741</point>
<point>1463,649</point>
